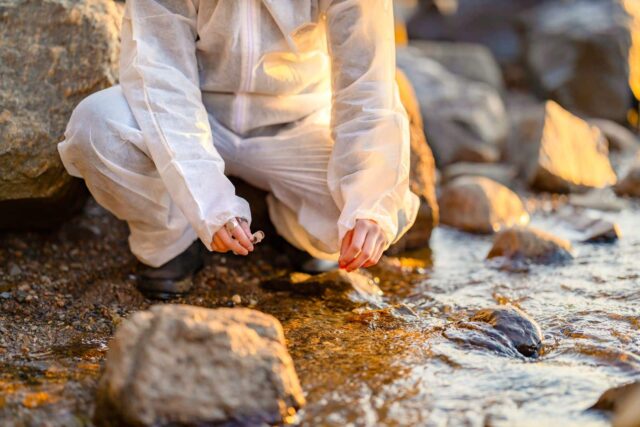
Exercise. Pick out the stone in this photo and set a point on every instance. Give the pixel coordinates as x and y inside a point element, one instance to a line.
<point>520,329</point>
<point>503,173</point>
<point>556,151</point>
<point>422,173</point>
<point>338,285</point>
<point>630,184</point>
<point>480,205</point>
<point>52,55</point>
<point>185,365</point>
<point>505,330</point>
<point>530,245</point>
<point>602,199</point>
<point>619,137</point>
<point>624,402</point>
<point>579,54</point>
<point>463,120</point>
<point>594,230</point>
<point>472,61</point>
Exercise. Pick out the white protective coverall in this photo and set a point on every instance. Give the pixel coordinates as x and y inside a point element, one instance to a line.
<point>297,97</point>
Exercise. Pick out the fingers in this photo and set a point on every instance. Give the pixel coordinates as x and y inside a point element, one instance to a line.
<point>243,237</point>
<point>378,254</point>
<point>217,244</point>
<point>354,246</point>
<point>247,230</point>
<point>231,243</point>
<point>369,249</point>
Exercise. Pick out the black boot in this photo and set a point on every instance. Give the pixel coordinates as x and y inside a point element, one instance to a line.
<point>174,278</point>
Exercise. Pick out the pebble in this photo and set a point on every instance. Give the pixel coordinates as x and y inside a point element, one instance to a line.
<point>6,295</point>
<point>237,299</point>
<point>14,270</point>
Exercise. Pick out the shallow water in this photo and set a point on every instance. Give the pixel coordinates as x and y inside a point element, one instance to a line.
<point>360,365</point>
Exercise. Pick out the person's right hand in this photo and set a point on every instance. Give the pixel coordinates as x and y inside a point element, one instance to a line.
<point>238,241</point>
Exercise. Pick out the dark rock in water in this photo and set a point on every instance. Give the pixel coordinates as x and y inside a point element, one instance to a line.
<point>624,402</point>
<point>354,287</point>
<point>185,365</point>
<point>579,54</point>
<point>480,205</point>
<point>597,230</point>
<point>505,330</point>
<point>52,55</point>
<point>529,245</point>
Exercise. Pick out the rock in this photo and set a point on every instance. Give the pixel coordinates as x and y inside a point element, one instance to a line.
<point>594,230</point>
<point>619,137</point>
<point>578,53</point>
<point>529,245</point>
<point>520,329</point>
<point>602,199</point>
<point>422,173</point>
<point>503,173</point>
<point>624,402</point>
<point>14,270</point>
<point>52,55</point>
<point>185,365</point>
<point>464,120</point>
<point>505,330</point>
<point>556,151</point>
<point>338,285</point>
<point>630,184</point>
<point>480,205</point>
<point>472,61</point>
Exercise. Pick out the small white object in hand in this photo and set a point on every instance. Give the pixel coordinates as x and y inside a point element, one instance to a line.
<point>257,237</point>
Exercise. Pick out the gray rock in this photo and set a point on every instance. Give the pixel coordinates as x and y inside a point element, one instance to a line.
<point>472,61</point>
<point>72,50</point>
<point>480,205</point>
<point>630,184</point>
<point>463,120</point>
<point>528,245</point>
<point>578,52</point>
<point>505,174</point>
<point>14,270</point>
<point>602,199</point>
<point>619,137</point>
<point>184,365</point>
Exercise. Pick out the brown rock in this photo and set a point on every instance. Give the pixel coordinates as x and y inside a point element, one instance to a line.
<point>177,364</point>
<point>557,151</point>
<point>530,245</point>
<point>624,402</point>
<point>480,205</point>
<point>52,55</point>
<point>630,184</point>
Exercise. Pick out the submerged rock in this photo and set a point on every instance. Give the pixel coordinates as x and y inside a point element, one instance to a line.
<point>506,330</point>
<point>480,205</point>
<point>185,365</point>
<point>52,55</point>
<point>557,151</point>
<point>463,120</point>
<point>624,402</point>
<point>530,245</point>
<point>579,54</point>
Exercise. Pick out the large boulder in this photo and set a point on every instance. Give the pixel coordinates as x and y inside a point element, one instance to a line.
<point>556,151</point>
<point>185,365</point>
<point>463,120</point>
<point>480,205</point>
<point>52,55</point>
<point>578,52</point>
<point>422,172</point>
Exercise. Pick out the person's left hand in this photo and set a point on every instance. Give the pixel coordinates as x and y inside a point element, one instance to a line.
<point>362,246</point>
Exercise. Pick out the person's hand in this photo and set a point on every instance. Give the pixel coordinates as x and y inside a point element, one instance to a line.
<point>362,246</point>
<point>236,239</point>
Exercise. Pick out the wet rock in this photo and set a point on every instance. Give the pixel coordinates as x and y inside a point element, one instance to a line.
<point>472,61</point>
<point>505,330</point>
<point>630,184</point>
<point>73,51</point>
<point>387,318</point>
<point>177,364</point>
<point>619,137</point>
<point>422,173</point>
<point>624,402</point>
<point>463,120</point>
<point>520,329</point>
<point>337,284</point>
<point>529,245</point>
<point>595,230</point>
<point>602,199</point>
<point>578,52</point>
<point>503,173</point>
<point>556,151</point>
<point>480,205</point>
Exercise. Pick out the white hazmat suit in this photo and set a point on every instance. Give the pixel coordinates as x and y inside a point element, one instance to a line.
<point>297,97</point>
